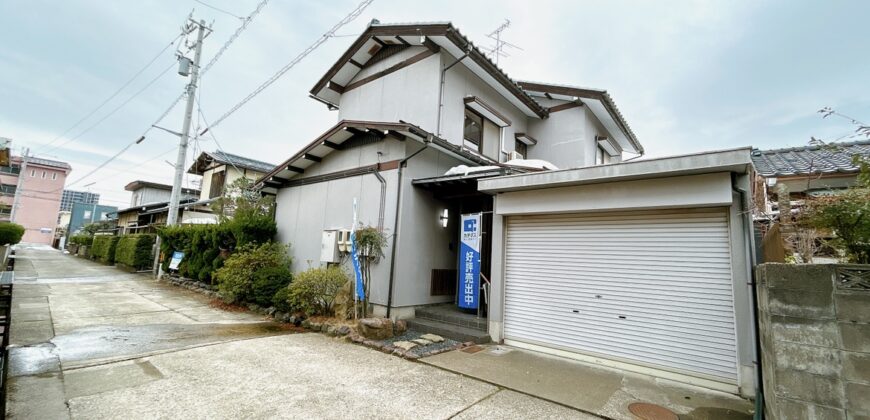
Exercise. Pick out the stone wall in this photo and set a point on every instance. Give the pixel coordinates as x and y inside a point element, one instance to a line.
<point>814,323</point>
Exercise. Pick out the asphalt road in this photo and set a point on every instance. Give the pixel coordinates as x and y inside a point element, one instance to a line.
<point>91,342</point>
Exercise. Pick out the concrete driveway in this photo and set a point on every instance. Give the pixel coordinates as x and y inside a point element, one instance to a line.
<point>91,342</point>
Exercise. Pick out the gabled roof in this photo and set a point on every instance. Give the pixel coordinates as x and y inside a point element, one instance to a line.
<point>435,36</point>
<point>336,137</point>
<point>812,159</point>
<point>598,101</point>
<point>206,159</point>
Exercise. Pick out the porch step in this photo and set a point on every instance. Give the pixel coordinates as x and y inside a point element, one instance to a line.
<point>450,314</point>
<point>451,331</point>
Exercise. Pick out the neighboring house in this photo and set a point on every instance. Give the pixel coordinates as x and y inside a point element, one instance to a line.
<point>807,171</point>
<point>70,197</point>
<point>219,170</point>
<point>30,195</point>
<point>149,206</point>
<point>83,214</point>
<point>642,265</point>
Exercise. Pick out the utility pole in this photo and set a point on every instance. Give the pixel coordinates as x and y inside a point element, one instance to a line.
<point>175,197</point>
<point>19,187</point>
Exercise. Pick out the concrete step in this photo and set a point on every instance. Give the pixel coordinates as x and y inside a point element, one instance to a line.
<point>451,315</point>
<point>451,331</point>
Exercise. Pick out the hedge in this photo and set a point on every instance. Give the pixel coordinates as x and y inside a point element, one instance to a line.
<point>206,246</point>
<point>81,240</point>
<point>134,251</point>
<point>104,247</point>
<point>10,233</point>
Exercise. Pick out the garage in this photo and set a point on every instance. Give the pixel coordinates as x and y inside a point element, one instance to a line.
<point>651,288</point>
<point>642,266</point>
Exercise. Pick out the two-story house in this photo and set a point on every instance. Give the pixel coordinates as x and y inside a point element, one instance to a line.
<point>219,170</point>
<point>149,206</point>
<point>641,265</point>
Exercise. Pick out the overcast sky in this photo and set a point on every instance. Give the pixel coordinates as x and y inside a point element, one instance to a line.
<point>688,75</point>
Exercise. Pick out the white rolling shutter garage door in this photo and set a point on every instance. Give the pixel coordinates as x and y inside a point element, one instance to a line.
<point>651,289</point>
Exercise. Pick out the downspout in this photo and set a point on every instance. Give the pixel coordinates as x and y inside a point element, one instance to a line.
<point>383,197</point>
<point>441,91</point>
<point>396,225</point>
<point>753,313</point>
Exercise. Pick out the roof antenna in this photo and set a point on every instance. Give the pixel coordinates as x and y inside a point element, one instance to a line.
<point>497,50</point>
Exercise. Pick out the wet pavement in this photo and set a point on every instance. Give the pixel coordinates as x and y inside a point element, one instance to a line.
<point>91,342</point>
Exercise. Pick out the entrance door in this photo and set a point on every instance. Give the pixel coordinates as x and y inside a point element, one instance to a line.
<point>644,288</point>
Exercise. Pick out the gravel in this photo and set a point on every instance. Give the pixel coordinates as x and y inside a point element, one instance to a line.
<point>427,350</point>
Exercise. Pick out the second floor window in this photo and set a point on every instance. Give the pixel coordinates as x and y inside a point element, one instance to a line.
<point>473,129</point>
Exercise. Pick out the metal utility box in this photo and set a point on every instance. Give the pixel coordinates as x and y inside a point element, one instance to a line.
<point>329,247</point>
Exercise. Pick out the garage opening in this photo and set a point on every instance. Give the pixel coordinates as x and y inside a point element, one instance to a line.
<point>646,288</point>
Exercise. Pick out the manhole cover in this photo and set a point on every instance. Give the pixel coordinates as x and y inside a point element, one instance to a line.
<point>647,411</point>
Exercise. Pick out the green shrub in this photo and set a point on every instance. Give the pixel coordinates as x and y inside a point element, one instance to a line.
<point>281,300</point>
<point>313,291</point>
<point>847,215</point>
<point>267,282</point>
<point>240,271</point>
<point>103,248</point>
<point>134,251</point>
<point>10,233</point>
<point>81,240</point>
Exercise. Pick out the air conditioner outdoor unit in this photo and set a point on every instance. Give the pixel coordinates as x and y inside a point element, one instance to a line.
<point>515,155</point>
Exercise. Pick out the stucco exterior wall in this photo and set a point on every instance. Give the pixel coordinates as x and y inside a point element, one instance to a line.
<point>423,244</point>
<point>410,94</point>
<point>461,82</point>
<point>39,202</point>
<point>815,339</point>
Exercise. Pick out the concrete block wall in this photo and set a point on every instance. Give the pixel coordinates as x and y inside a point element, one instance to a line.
<point>814,327</point>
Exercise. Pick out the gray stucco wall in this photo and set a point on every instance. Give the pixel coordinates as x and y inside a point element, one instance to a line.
<point>815,340</point>
<point>423,244</point>
<point>410,94</point>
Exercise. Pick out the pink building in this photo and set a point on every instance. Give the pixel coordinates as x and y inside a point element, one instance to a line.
<point>38,183</point>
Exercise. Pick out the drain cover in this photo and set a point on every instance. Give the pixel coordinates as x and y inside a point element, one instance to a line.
<point>647,411</point>
<point>472,349</point>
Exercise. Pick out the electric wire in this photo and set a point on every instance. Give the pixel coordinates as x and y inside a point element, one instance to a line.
<point>178,99</point>
<point>114,94</point>
<point>323,38</point>
<point>219,9</point>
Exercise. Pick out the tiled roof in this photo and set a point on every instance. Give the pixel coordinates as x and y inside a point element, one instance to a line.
<point>815,159</point>
<point>241,161</point>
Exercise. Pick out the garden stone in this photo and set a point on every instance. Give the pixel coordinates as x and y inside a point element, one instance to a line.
<point>432,337</point>
<point>279,316</point>
<point>405,345</point>
<point>343,330</point>
<point>422,342</point>
<point>400,326</point>
<point>376,328</point>
<point>342,306</point>
<point>271,310</point>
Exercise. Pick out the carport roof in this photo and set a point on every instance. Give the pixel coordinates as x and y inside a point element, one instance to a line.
<point>732,160</point>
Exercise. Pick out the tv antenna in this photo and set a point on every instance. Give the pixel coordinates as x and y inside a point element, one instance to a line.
<point>498,50</point>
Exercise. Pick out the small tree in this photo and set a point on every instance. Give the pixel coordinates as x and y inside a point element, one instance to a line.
<point>370,243</point>
<point>242,199</point>
<point>846,215</point>
<point>10,233</point>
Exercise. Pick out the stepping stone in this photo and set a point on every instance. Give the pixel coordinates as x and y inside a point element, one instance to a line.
<point>405,345</point>
<point>432,337</point>
<point>422,342</point>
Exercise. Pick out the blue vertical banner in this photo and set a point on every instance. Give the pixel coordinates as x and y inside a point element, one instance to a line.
<point>469,261</point>
<point>360,294</point>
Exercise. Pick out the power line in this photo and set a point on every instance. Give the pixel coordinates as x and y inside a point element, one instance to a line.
<point>219,9</point>
<point>178,99</point>
<point>117,108</point>
<point>114,94</point>
<point>347,19</point>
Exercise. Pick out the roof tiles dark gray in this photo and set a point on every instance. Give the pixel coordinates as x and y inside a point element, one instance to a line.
<point>241,161</point>
<point>814,159</point>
